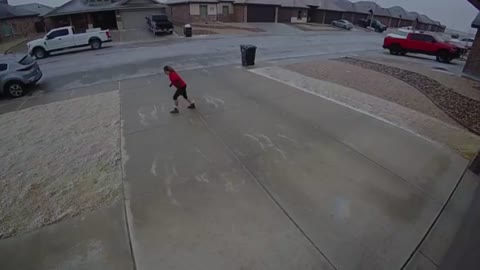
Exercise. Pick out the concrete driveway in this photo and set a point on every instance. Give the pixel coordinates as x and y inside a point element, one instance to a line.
<point>264,176</point>
<point>260,176</point>
<point>277,28</point>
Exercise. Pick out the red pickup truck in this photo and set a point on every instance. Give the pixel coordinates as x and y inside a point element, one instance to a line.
<point>421,43</point>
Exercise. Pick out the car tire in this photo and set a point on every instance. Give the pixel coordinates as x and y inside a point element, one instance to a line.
<point>443,57</point>
<point>15,89</point>
<point>40,53</point>
<point>395,49</point>
<point>95,44</point>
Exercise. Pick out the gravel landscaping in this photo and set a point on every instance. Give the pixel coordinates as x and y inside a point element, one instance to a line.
<point>461,85</point>
<point>58,160</point>
<point>383,86</point>
<point>464,110</point>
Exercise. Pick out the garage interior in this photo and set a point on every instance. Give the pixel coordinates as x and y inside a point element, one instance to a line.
<point>261,13</point>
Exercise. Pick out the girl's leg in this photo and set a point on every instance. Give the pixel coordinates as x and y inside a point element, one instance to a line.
<point>175,100</point>
<point>185,96</point>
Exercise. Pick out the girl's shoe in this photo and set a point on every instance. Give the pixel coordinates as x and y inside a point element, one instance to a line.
<point>175,111</point>
<point>192,106</point>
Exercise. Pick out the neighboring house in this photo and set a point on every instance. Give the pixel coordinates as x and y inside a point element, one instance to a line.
<point>130,14</point>
<point>16,21</point>
<point>39,9</point>
<point>183,11</point>
<point>104,14</point>
<point>367,8</point>
<point>295,11</point>
<point>329,11</point>
<point>400,17</point>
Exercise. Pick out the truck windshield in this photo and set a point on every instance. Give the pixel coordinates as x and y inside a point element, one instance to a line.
<point>438,38</point>
<point>159,18</point>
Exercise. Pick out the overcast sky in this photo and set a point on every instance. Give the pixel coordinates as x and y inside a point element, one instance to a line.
<point>456,14</point>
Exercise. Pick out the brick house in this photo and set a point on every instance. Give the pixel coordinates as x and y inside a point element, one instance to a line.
<point>104,14</point>
<point>16,21</point>
<point>379,13</point>
<point>289,11</point>
<point>202,11</point>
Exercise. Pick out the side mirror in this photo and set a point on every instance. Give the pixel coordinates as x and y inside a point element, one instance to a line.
<point>47,37</point>
<point>434,41</point>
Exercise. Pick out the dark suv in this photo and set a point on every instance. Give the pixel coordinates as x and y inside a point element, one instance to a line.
<point>375,24</point>
<point>159,24</point>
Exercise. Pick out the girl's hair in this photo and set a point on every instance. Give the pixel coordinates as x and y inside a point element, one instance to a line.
<point>168,68</point>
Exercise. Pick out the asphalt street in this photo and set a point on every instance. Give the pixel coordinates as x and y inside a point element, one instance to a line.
<point>77,69</point>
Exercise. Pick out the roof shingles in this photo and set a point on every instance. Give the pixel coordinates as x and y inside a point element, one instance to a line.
<point>7,12</point>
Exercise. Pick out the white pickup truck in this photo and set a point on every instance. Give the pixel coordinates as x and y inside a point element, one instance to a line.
<point>66,38</point>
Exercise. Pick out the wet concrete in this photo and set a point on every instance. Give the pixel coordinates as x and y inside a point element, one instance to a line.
<point>261,166</point>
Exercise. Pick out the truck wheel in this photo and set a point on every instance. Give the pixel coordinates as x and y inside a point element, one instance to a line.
<point>15,89</point>
<point>395,49</point>
<point>40,53</point>
<point>444,57</point>
<point>96,44</point>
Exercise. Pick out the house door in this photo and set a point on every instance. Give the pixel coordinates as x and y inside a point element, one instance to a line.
<point>203,10</point>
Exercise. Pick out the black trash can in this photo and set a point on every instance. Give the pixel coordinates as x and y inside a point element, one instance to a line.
<point>248,54</point>
<point>187,30</point>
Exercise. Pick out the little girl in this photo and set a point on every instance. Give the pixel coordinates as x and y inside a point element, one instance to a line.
<point>181,86</point>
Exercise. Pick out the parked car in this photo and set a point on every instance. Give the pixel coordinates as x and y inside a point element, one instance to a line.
<point>422,43</point>
<point>159,24</point>
<point>65,38</point>
<point>465,44</point>
<point>375,24</point>
<point>343,24</point>
<point>16,73</point>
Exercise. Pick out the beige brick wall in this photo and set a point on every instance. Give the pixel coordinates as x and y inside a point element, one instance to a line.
<point>239,13</point>
<point>19,27</point>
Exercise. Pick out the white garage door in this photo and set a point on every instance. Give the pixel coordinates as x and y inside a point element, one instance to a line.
<point>136,19</point>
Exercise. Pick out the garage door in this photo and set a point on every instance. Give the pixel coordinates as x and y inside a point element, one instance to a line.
<point>260,13</point>
<point>332,16</point>
<point>136,19</point>
<point>317,16</point>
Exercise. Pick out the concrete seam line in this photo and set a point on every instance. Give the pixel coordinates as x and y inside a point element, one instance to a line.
<point>258,71</point>
<point>125,210</point>
<point>264,188</point>
<point>428,258</point>
<point>351,147</point>
<point>417,248</point>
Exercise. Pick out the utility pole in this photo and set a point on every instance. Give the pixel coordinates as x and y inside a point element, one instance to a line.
<point>373,12</point>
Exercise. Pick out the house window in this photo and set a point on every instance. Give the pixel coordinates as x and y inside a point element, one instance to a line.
<point>299,15</point>
<point>225,10</point>
<point>203,10</point>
